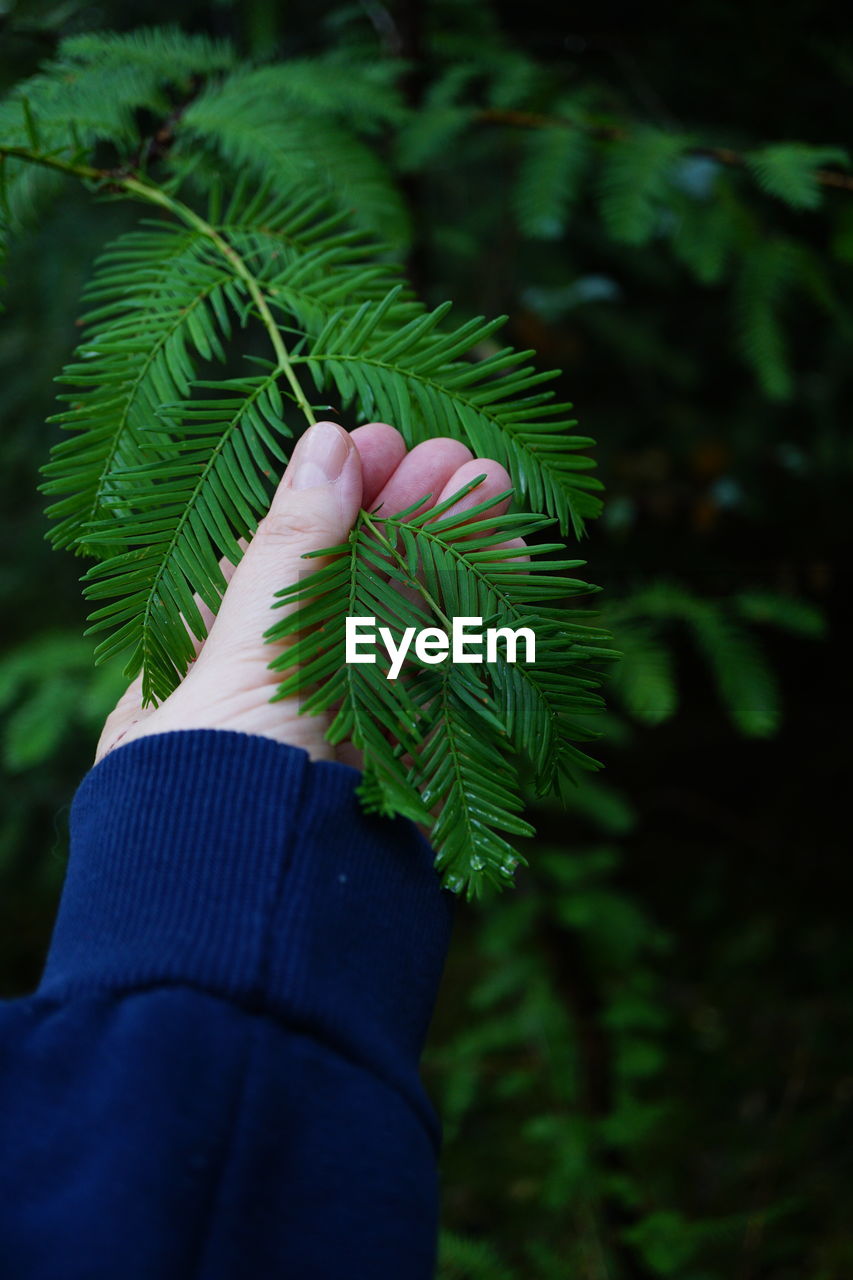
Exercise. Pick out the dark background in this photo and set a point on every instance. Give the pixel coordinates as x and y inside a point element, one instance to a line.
<point>642,1054</point>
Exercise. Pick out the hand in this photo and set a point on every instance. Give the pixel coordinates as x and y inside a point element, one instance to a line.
<point>330,476</point>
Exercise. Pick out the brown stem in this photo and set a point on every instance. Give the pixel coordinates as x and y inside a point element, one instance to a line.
<point>616,133</point>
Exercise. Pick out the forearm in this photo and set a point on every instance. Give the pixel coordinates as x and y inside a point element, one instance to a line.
<point>222,1056</point>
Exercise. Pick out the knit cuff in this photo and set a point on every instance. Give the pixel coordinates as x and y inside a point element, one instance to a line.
<point>233,863</point>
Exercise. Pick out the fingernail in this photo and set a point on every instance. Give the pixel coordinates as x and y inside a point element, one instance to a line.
<point>319,456</point>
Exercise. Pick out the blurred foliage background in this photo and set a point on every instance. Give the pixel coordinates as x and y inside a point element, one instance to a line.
<point>642,1055</point>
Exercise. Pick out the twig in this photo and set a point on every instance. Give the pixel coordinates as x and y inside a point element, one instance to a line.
<point>122,183</point>
<point>616,133</point>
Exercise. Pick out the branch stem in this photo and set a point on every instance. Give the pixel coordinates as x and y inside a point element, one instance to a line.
<point>617,133</point>
<point>139,190</point>
<point>372,522</point>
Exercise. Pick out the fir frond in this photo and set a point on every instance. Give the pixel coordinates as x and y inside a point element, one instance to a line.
<point>460,732</point>
<point>770,608</point>
<point>158,305</point>
<point>261,120</point>
<point>92,92</point>
<point>634,180</point>
<point>49,691</point>
<point>440,119</point>
<point>416,376</point>
<point>363,95</point>
<point>789,171</point>
<point>553,166</point>
<point>164,302</point>
<point>163,470</point>
<point>183,510</point>
<point>767,273</point>
<point>745,680</point>
<point>645,678</point>
<point>742,675</point>
<point>464,769</point>
<point>93,88</point>
<point>707,232</point>
<point>168,52</point>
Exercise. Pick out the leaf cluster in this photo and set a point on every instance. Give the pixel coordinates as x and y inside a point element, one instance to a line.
<point>448,738</point>
<point>722,630</point>
<point>166,467</point>
<point>585,169</point>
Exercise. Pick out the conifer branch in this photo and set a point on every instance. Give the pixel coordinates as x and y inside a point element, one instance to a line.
<point>726,156</point>
<point>119,182</point>
<point>156,195</point>
<point>165,471</point>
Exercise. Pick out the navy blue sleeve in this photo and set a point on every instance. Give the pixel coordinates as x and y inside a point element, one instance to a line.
<point>218,1075</point>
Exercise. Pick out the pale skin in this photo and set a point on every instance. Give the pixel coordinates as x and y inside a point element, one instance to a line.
<point>331,475</point>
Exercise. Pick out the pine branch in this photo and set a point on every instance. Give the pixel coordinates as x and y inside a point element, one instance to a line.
<point>288,125</point>
<point>184,213</point>
<point>209,493</point>
<point>744,679</point>
<point>458,734</point>
<point>604,132</point>
<point>414,376</point>
<point>157,298</point>
<point>163,474</point>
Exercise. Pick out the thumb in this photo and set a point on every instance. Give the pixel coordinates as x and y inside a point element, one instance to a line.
<point>315,506</point>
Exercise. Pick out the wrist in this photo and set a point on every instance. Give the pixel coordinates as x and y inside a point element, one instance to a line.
<point>199,704</point>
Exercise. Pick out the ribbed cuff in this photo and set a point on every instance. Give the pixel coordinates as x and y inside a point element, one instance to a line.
<point>233,863</point>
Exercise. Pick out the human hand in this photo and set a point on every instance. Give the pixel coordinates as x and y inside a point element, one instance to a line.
<point>330,476</point>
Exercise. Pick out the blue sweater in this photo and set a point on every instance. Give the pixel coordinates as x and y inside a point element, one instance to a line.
<point>218,1075</point>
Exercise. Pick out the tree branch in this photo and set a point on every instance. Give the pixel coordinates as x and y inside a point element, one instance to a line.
<point>120,183</point>
<point>617,133</point>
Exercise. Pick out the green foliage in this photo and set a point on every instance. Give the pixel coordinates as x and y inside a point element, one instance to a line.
<point>164,304</point>
<point>637,1052</point>
<point>708,231</point>
<point>415,375</point>
<point>161,303</point>
<point>427,133</point>
<point>91,92</point>
<point>647,184</point>
<point>297,124</point>
<point>766,276</point>
<point>47,693</point>
<point>462,1259</point>
<point>452,727</point>
<point>788,612</point>
<point>163,470</point>
<point>789,171</point>
<point>517,1053</point>
<point>168,54</point>
<point>550,177</point>
<point>634,181</point>
<point>645,680</point>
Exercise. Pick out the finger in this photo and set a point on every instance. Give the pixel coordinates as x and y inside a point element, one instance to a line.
<point>497,481</point>
<point>515,550</point>
<point>381,449</point>
<point>315,506</point>
<point>426,470</point>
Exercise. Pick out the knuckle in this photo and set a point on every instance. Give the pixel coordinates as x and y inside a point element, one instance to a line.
<point>288,526</point>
